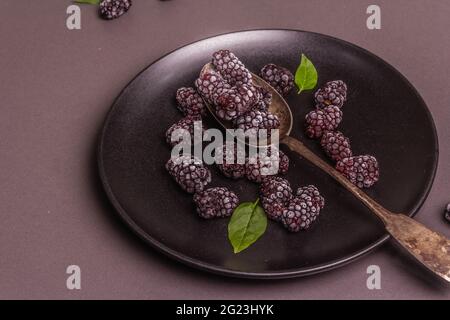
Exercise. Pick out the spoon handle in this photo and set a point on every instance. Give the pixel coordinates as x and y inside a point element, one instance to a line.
<point>427,246</point>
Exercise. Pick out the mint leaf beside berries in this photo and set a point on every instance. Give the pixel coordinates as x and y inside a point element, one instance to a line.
<point>306,75</point>
<point>247,224</point>
<point>94,2</point>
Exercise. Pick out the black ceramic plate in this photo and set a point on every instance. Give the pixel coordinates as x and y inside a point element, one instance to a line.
<point>384,116</point>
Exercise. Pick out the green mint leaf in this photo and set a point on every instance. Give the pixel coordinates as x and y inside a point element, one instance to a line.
<point>247,224</point>
<point>96,2</point>
<point>306,75</point>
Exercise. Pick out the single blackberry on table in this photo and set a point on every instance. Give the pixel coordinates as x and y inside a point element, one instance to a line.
<point>187,124</point>
<point>235,102</point>
<point>278,77</point>
<point>362,171</point>
<point>233,161</point>
<point>210,85</point>
<point>231,68</point>
<point>299,214</point>
<point>266,164</point>
<point>255,119</point>
<point>112,9</point>
<point>336,145</point>
<point>320,120</point>
<point>447,213</point>
<point>332,93</point>
<point>276,193</point>
<point>216,202</point>
<point>190,103</point>
<point>311,193</point>
<point>189,173</point>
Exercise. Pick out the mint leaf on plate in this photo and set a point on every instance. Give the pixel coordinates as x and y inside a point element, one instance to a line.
<point>247,224</point>
<point>306,75</point>
<point>96,2</point>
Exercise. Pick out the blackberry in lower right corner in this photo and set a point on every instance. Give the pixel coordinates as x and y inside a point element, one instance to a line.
<point>362,171</point>
<point>320,120</point>
<point>278,77</point>
<point>336,145</point>
<point>275,193</point>
<point>216,202</point>
<point>112,9</point>
<point>189,173</point>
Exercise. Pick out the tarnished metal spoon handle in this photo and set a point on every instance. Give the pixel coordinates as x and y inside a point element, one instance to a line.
<point>427,246</point>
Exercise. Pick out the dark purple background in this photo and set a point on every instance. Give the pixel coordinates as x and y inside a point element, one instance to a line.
<point>56,86</point>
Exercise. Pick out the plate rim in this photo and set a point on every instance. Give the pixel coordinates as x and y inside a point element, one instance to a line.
<point>282,274</point>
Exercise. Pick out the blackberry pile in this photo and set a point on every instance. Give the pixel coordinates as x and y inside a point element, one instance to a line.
<point>189,173</point>
<point>278,77</point>
<point>322,123</point>
<point>112,9</point>
<point>216,202</point>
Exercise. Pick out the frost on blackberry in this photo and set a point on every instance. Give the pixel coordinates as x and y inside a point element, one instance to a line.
<point>257,120</point>
<point>184,130</point>
<point>265,163</point>
<point>233,161</point>
<point>278,77</point>
<point>210,85</point>
<point>231,68</point>
<point>190,103</point>
<point>362,171</point>
<point>299,214</point>
<point>336,145</point>
<point>332,93</point>
<point>276,193</point>
<point>112,9</point>
<point>215,202</point>
<point>189,173</point>
<point>320,120</point>
<point>311,193</point>
<point>235,102</point>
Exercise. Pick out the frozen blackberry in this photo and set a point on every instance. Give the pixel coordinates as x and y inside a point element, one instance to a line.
<point>278,77</point>
<point>190,102</point>
<point>320,120</point>
<point>231,68</point>
<point>299,214</point>
<point>112,9</point>
<point>275,193</point>
<point>266,164</point>
<point>210,85</point>
<point>447,213</point>
<point>332,93</point>
<point>264,99</point>
<point>336,145</point>
<point>187,124</point>
<point>233,163</point>
<point>235,102</point>
<point>255,119</point>
<point>311,193</point>
<point>362,171</point>
<point>216,202</point>
<point>189,173</point>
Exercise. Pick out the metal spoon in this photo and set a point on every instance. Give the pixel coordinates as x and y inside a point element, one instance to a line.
<point>430,248</point>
